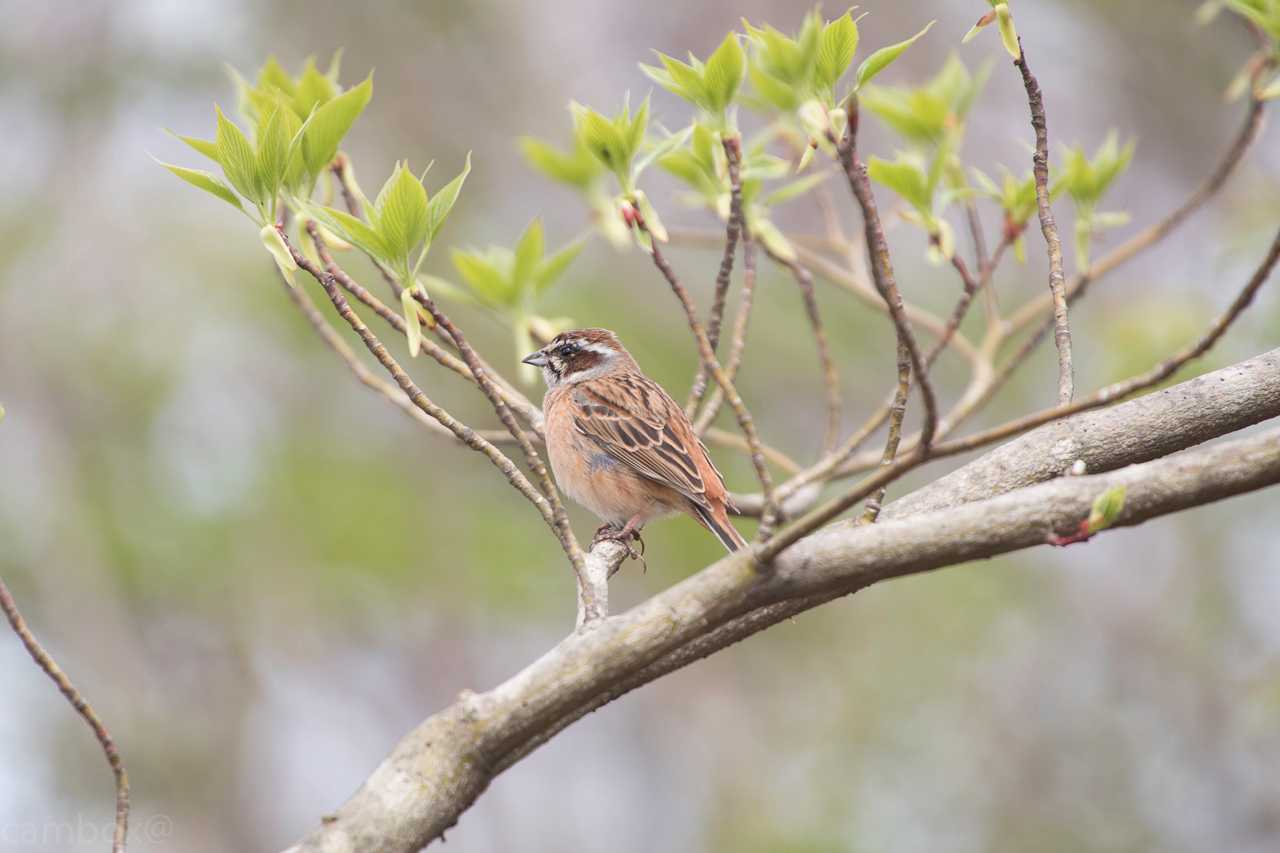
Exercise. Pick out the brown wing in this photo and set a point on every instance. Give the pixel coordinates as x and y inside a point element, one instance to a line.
<point>632,419</point>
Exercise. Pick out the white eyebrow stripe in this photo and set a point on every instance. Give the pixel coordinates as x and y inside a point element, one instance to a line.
<point>598,348</point>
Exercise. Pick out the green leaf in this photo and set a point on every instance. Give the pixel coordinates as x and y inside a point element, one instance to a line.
<point>724,72</point>
<point>885,56</point>
<point>794,190</point>
<point>578,169</point>
<point>484,278</point>
<point>1008,33</point>
<point>529,251</point>
<point>273,76</point>
<point>437,287</point>
<point>1106,509</point>
<point>836,48</point>
<point>401,209</point>
<point>679,79</point>
<point>239,163</point>
<point>442,202</point>
<point>554,266</point>
<point>273,152</point>
<point>330,123</point>
<point>605,140</point>
<point>206,182</point>
<point>275,245</point>
<point>313,88</point>
<point>412,321</point>
<point>773,239</point>
<point>207,147</point>
<point>661,149</point>
<point>354,231</point>
<point>906,178</point>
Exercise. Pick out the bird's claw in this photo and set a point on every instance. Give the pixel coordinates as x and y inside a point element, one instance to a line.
<point>624,537</point>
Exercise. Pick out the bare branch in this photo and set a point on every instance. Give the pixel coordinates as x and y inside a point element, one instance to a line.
<point>1057,280</point>
<point>591,606</point>
<point>368,378</point>
<point>1134,384</point>
<point>740,411</point>
<point>738,342</point>
<point>1156,232</point>
<point>82,707</point>
<point>329,282</point>
<point>438,770</point>
<point>733,155</point>
<point>830,375</point>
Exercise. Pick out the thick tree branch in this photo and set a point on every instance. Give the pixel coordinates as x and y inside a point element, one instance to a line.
<point>439,769</point>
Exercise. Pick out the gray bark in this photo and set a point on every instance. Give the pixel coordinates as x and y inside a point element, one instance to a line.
<point>989,507</point>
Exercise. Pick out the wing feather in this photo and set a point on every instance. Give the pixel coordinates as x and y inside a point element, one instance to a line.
<point>632,419</point>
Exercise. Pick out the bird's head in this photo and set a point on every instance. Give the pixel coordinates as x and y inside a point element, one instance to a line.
<point>578,355</point>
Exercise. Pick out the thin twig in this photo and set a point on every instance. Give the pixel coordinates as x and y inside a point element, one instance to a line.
<point>830,374</point>
<point>389,391</point>
<point>1156,232</point>
<point>717,372</point>
<point>1133,385</point>
<point>521,404</point>
<point>82,707</point>
<point>1057,280</point>
<point>732,145</point>
<point>909,359</point>
<point>465,434</point>
<point>738,342</point>
<point>592,609</point>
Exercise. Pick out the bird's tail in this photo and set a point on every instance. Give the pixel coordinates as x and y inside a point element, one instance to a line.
<point>717,521</point>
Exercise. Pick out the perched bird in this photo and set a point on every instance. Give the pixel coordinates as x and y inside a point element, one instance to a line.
<point>619,445</point>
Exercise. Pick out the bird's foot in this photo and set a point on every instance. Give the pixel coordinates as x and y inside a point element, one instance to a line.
<point>625,536</point>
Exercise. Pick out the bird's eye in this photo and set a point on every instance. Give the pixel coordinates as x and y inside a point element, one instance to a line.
<point>569,349</point>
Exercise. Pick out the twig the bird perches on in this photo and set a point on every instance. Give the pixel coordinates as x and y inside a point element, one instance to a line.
<point>367,377</point>
<point>592,608</point>
<point>329,282</point>
<point>82,707</point>
<point>1057,279</point>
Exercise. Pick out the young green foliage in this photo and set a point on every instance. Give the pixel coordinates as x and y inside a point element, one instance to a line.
<point>511,283</point>
<point>1106,510</point>
<point>297,128</point>
<point>927,115</point>
<point>402,221</point>
<point>703,167</point>
<point>1003,18</point>
<point>798,75</point>
<point>917,181</point>
<point>616,141</point>
<point>709,86</point>
<point>1087,181</point>
<point>579,169</point>
<point>1017,199</point>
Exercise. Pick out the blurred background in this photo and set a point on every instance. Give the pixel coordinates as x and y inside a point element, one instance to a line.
<point>263,575</point>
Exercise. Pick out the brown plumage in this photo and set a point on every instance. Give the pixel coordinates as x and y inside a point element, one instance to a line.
<point>619,445</point>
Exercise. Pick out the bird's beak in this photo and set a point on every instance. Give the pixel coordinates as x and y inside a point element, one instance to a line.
<point>537,359</point>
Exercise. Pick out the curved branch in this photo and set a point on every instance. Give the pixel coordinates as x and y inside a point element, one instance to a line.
<point>438,770</point>
<point>82,707</point>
